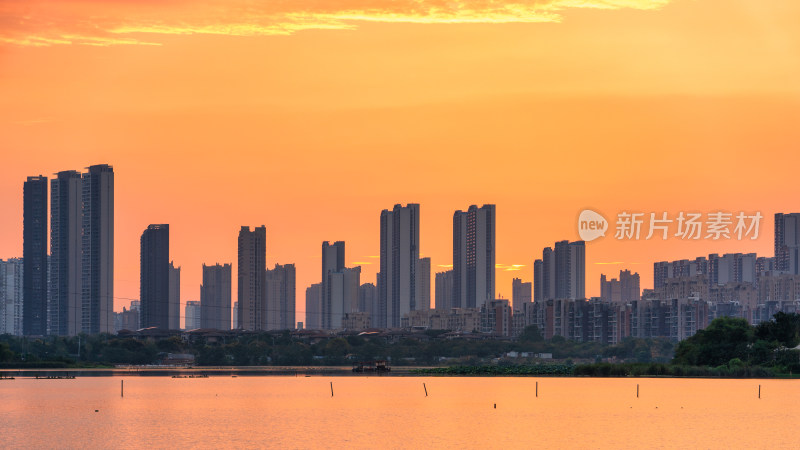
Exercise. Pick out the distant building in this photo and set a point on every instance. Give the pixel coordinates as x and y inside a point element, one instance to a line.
<point>234,316</point>
<point>570,259</point>
<point>192,314</point>
<point>332,262</point>
<point>66,209</point>
<point>129,319</point>
<point>399,262</point>
<point>215,297</point>
<point>787,243</point>
<point>625,289</point>
<point>520,294</point>
<point>561,273</point>
<point>34,257</point>
<point>174,297</point>
<point>474,256</point>
<point>154,277</point>
<point>252,272</point>
<point>444,290</point>
<point>356,321</point>
<point>538,274</point>
<point>280,297</point>
<point>11,282</point>
<point>97,250</point>
<point>314,307</point>
<point>340,286</point>
<point>497,318</point>
<point>342,295</point>
<point>368,301</point>
<point>423,284</point>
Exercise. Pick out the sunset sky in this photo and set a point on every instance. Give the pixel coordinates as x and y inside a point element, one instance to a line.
<point>311,116</point>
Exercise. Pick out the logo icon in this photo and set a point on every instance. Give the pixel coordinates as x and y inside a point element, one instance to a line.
<point>591,225</point>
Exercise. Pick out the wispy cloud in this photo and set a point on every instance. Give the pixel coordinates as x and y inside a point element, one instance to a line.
<point>509,268</point>
<point>125,22</point>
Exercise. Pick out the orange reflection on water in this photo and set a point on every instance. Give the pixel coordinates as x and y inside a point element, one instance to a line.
<point>394,412</point>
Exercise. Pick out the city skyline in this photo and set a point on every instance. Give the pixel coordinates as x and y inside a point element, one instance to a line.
<point>300,308</point>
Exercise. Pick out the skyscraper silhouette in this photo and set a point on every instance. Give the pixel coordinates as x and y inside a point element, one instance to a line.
<point>474,256</point>
<point>399,262</point>
<point>66,209</point>
<point>155,276</point>
<point>332,262</point>
<point>97,250</point>
<point>251,270</point>
<point>280,297</point>
<point>215,297</point>
<point>34,257</point>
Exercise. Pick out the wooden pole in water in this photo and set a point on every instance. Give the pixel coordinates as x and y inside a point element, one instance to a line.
<point>122,388</point>
<point>637,390</point>
<point>331,388</point>
<point>426,389</point>
<point>537,389</point>
<point>759,391</point>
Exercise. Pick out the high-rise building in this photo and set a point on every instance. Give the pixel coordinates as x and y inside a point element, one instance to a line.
<point>34,257</point>
<point>787,243</point>
<point>570,263</point>
<point>474,256</point>
<point>368,301</point>
<point>252,270</point>
<point>332,262</point>
<point>97,250</point>
<point>314,306</point>
<point>520,294</point>
<point>174,297</point>
<point>11,282</point>
<point>538,276</point>
<point>280,297</point>
<point>444,290</point>
<point>154,277</point>
<point>235,316</point>
<point>623,290</point>
<point>66,207</point>
<point>342,295</point>
<point>422,285</point>
<point>399,255</point>
<point>192,313</point>
<point>548,274</point>
<point>215,297</point>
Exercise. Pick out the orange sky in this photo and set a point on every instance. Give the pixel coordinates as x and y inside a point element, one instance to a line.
<point>310,117</point>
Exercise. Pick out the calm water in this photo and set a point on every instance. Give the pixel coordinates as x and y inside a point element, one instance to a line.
<point>289,412</point>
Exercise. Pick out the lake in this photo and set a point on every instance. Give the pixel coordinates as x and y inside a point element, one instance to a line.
<point>394,412</point>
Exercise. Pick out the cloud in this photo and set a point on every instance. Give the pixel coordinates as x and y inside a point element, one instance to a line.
<point>125,22</point>
<point>509,268</point>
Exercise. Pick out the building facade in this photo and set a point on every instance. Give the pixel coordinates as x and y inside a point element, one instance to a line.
<point>252,272</point>
<point>34,257</point>
<point>215,297</point>
<point>97,249</point>
<point>66,208</point>
<point>474,256</point>
<point>154,277</point>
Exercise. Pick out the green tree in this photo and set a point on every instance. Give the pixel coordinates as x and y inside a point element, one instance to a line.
<point>724,339</point>
<point>531,333</point>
